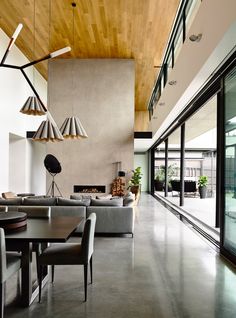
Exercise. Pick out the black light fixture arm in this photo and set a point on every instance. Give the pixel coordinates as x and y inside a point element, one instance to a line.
<point>36,61</point>
<point>10,66</point>
<point>33,89</point>
<point>21,68</point>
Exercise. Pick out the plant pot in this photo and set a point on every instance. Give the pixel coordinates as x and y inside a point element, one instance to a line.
<point>158,185</point>
<point>135,189</point>
<point>202,192</point>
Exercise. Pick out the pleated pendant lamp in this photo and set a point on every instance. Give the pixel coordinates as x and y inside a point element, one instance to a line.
<point>48,131</point>
<point>33,107</point>
<point>72,127</point>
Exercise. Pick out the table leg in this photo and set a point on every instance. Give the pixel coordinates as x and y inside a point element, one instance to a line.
<point>26,279</point>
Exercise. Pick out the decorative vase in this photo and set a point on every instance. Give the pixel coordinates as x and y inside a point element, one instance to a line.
<point>202,192</point>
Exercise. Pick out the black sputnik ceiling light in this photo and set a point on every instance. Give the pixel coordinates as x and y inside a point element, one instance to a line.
<point>51,127</point>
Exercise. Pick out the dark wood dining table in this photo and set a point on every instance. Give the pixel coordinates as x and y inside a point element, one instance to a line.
<point>38,230</point>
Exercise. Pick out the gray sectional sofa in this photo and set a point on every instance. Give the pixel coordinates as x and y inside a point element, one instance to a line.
<point>112,216</point>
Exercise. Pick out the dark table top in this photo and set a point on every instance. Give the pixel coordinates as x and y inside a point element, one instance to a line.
<point>55,229</point>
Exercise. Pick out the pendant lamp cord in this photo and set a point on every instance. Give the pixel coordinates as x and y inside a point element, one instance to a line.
<point>49,42</point>
<point>73,64</point>
<point>34,41</point>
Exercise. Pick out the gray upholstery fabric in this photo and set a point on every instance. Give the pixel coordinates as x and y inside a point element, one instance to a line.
<point>13,264</point>
<point>72,253</point>
<point>65,202</point>
<point>76,197</point>
<point>13,201</point>
<point>9,262</point>
<point>36,211</point>
<point>86,196</point>
<point>128,199</point>
<point>28,194</point>
<point>41,201</point>
<point>70,211</point>
<point>115,202</point>
<point>3,208</point>
<point>113,219</point>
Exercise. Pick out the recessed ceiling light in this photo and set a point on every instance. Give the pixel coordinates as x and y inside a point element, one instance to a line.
<point>172,82</point>
<point>161,104</point>
<point>195,38</point>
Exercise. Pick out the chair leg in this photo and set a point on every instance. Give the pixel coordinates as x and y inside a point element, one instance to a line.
<point>2,299</point>
<point>40,281</point>
<point>37,263</point>
<point>91,269</point>
<point>85,281</point>
<point>53,268</point>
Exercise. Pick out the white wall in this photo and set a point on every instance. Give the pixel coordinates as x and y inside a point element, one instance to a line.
<point>14,90</point>
<point>141,160</point>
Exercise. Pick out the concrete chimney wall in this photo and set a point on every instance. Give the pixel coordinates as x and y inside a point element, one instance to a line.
<point>101,93</point>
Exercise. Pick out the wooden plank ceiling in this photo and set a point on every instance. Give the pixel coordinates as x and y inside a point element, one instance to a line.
<point>136,29</point>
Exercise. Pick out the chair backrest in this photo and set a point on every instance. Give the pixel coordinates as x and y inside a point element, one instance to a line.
<point>87,242</point>
<point>3,265</point>
<point>36,211</point>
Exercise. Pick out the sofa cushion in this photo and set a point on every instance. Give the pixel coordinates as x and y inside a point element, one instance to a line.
<point>66,202</point>
<point>40,201</point>
<point>76,197</point>
<point>115,202</point>
<point>13,201</point>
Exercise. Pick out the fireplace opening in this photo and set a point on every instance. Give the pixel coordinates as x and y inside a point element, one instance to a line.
<point>89,189</point>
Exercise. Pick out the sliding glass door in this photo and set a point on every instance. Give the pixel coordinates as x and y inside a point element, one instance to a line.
<point>229,237</point>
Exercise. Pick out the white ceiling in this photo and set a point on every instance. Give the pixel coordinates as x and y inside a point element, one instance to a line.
<point>194,66</point>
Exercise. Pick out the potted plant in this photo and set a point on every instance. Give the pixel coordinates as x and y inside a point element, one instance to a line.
<point>135,181</point>
<point>202,186</point>
<point>159,179</point>
<point>159,182</point>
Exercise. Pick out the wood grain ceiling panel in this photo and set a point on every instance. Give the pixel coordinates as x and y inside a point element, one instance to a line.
<point>136,29</point>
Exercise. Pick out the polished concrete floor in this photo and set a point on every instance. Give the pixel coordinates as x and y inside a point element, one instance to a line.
<point>165,271</point>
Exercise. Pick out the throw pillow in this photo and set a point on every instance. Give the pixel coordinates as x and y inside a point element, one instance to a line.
<point>76,197</point>
<point>86,196</point>
<point>8,195</point>
<point>129,199</point>
<point>104,197</point>
<point>98,202</point>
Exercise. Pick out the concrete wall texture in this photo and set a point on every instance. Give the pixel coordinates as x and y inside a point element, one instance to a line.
<point>101,93</point>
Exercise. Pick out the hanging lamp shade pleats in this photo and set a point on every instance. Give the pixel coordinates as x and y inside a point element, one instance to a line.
<point>48,132</point>
<point>72,128</point>
<point>33,107</point>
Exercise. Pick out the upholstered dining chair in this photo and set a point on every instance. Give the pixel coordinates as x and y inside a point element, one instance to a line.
<point>9,265</point>
<point>36,212</point>
<point>71,254</point>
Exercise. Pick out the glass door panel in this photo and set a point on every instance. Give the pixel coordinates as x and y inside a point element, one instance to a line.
<point>230,163</point>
